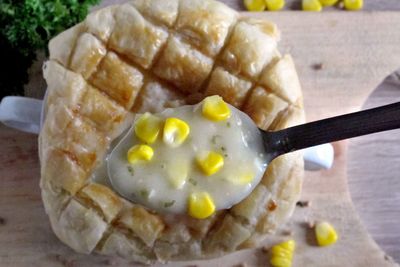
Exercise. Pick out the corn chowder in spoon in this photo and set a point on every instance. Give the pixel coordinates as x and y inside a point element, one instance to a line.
<point>191,159</point>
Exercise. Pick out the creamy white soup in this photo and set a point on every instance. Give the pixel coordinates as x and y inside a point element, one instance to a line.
<point>191,159</point>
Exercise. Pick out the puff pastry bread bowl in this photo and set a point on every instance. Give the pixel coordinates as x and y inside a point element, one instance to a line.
<point>147,55</point>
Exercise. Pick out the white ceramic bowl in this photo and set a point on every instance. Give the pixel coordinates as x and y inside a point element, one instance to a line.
<point>27,114</point>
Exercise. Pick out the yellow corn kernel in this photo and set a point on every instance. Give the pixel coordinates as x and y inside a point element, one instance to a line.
<point>282,254</point>
<point>274,5</point>
<point>277,261</point>
<point>353,4</point>
<point>210,162</point>
<point>254,5</point>
<point>288,245</point>
<point>215,108</point>
<point>328,2</point>
<point>325,233</point>
<point>200,205</point>
<point>311,5</point>
<point>175,132</point>
<point>140,153</point>
<point>147,127</point>
<point>177,173</point>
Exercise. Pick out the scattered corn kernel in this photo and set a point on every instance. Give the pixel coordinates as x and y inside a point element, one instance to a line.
<point>288,245</point>
<point>210,162</point>
<point>274,5</point>
<point>175,132</point>
<point>140,152</point>
<point>325,233</point>
<point>215,108</point>
<point>201,205</point>
<point>254,5</point>
<point>282,254</point>
<point>147,127</point>
<point>311,5</point>
<point>353,4</point>
<point>178,173</point>
<point>328,2</point>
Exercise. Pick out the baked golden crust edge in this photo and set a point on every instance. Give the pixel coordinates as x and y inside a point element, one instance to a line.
<point>147,56</point>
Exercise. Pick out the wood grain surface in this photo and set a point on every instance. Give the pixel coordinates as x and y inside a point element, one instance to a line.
<point>368,156</point>
<point>374,175</point>
<point>341,57</point>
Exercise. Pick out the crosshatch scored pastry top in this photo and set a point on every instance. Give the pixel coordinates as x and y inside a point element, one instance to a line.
<point>147,56</point>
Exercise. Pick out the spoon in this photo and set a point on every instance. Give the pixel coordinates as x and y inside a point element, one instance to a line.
<point>331,129</point>
<point>257,148</point>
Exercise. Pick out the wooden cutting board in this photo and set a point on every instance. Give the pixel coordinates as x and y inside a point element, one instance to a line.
<point>340,56</point>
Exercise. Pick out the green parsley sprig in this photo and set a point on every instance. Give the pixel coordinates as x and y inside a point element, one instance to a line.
<point>26,26</point>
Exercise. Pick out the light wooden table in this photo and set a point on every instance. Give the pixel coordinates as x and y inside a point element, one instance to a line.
<point>373,173</point>
<point>374,177</point>
<point>374,161</point>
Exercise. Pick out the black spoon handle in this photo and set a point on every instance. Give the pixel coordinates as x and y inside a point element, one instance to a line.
<point>332,129</point>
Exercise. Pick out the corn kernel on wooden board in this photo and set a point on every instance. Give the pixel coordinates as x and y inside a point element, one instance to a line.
<point>341,57</point>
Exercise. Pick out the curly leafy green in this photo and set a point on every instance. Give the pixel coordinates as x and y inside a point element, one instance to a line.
<point>26,26</point>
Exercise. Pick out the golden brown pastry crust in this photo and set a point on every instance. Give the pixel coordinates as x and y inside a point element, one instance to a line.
<point>146,56</point>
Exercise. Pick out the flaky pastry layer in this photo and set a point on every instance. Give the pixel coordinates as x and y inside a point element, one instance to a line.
<point>148,55</point>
